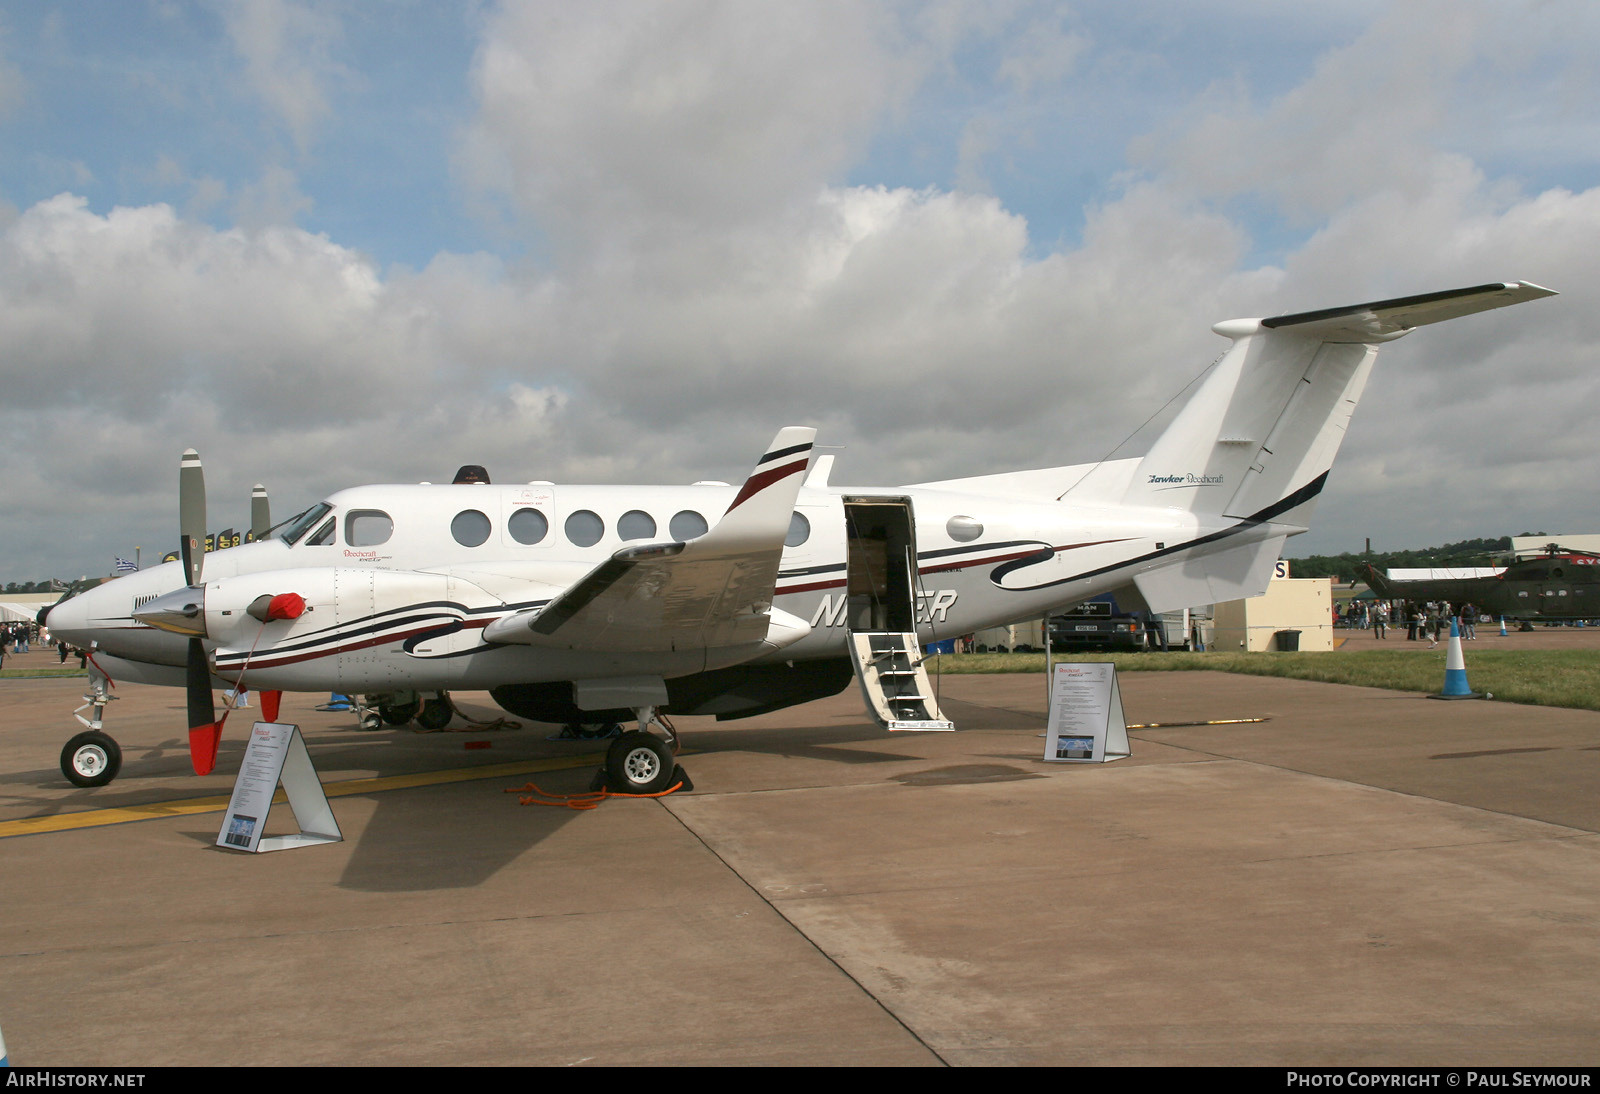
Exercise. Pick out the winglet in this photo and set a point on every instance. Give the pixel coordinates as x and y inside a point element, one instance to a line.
<point>762,509</point>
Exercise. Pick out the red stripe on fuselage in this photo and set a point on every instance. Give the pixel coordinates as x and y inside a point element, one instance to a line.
<point>365,644</point>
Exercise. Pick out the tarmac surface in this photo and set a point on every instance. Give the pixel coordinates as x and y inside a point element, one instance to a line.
<point>1368,877</point>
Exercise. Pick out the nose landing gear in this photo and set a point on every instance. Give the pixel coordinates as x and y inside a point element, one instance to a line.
<point>92,758</point>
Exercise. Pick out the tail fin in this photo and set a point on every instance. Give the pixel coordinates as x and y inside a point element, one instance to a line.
<point>1378,582</point>
<point>1257,439</point>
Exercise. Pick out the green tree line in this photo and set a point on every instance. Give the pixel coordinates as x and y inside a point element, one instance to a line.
<point>1348,566</point>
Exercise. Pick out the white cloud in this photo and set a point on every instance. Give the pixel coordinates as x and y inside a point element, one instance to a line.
<point>710,277</point>
<point>637,123</point>
<point>287,48</point>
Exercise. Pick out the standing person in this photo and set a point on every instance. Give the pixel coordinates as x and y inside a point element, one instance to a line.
<point>1413,620</point>
<point>1469,621</point>
<point>1379,614</point>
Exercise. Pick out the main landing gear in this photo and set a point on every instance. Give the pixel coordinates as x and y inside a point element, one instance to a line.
<point>640,762</point>
<point>397,708</point>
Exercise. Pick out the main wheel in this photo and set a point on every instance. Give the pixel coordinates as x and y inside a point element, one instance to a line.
<point>436,714</point>
<point>640,763</point>
<point>399,714</point>
<point>91,759</point>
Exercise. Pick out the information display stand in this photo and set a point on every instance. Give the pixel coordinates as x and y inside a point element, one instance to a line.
<point>276,754</point>
<point>1086,723</point>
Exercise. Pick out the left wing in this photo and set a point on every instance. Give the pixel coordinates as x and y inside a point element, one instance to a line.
<point>714,591</point>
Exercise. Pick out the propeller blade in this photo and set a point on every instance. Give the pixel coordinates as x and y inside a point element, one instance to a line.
<point>260,513</point>
<point>192,515</point>
<point>204,732</point>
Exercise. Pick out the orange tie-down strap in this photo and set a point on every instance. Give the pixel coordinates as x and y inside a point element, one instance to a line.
<point>587,800</point>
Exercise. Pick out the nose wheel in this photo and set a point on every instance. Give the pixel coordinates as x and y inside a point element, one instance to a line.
<point>91,759</point>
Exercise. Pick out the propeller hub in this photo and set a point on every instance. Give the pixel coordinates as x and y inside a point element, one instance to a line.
<point>181,611</point>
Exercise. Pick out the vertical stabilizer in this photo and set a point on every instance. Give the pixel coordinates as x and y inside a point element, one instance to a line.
<point>1257,438</point>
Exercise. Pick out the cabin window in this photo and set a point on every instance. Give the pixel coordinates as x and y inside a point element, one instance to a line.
<point>528,526</point>
<point>799,530</point>
<point>636,524</point>
<point>584,528</point>
<point>324,535</point>
<point>687,525</point>
<point>470,528</point>
<point>963,529</point>
<point>367,528</point>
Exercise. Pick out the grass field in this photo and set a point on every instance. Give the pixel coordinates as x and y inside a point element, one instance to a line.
<point>1552,678</point>
<point>29,674</point>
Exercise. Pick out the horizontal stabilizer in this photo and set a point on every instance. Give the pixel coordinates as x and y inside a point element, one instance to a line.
<point>1383,320</point>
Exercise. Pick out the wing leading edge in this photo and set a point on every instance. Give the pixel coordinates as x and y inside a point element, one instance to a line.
<point>709,593</point>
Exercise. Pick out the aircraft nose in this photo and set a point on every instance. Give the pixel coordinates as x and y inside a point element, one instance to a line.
<point>181,611</point>
<point>69,619</point>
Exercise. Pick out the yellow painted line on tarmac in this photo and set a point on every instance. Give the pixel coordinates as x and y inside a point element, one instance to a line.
<point>184,807</point>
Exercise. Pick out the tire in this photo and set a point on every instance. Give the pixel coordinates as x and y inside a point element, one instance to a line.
<point>371,720</point>
<point>436,714</point>
<point>91,759</point>
<point>639,763</point>
<point>400,714</point>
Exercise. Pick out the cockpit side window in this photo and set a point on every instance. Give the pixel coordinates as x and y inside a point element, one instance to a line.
<point>324,535</point>
<point>367,528</point>
<point>298,526</point>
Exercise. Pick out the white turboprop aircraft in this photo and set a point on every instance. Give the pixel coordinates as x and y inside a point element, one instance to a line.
<point>569,605</point>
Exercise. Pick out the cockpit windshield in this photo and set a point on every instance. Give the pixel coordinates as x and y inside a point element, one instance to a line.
<point>296,526</point>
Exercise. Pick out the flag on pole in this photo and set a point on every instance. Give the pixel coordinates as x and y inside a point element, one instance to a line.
<point>125,567</point>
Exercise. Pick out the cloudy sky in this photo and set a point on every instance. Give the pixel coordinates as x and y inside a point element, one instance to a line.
<point>351,241</point>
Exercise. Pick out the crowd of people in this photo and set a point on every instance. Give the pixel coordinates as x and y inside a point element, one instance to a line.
<point>1429,621</point>
<point>22,637</point>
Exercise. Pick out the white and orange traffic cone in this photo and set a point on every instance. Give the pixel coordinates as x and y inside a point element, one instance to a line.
<point>1455,669</point>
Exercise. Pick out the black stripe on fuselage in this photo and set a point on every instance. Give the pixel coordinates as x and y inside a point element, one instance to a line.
<point>1277,508</point>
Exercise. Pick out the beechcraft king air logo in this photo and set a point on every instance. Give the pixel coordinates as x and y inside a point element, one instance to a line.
<point>1190,479</point>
